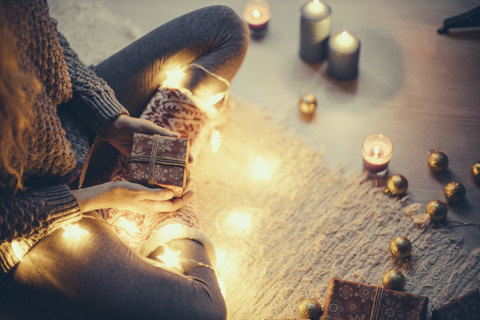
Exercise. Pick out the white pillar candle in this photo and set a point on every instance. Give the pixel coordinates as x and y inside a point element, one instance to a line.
<point>343,56</point>
<point>377,151</point>
<point>315,22</point>
<point>257,14</point>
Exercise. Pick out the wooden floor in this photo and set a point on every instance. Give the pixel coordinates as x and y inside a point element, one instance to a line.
<point>419,88</point>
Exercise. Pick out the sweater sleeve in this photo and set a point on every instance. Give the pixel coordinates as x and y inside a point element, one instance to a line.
<point>36,212</point>
<point>99,105</point>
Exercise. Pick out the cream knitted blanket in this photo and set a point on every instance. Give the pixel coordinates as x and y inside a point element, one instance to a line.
<point>298,221</point>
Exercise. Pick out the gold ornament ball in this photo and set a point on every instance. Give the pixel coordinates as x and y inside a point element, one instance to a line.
<point>397,185</point>
<point>309,309</point>
<point>394,280</point>
<point>437,161</point>
<point>454,192</point>
<point>401,248</point>
<point>307,106</point>
<point>437,210</point>
<point>476,172</point>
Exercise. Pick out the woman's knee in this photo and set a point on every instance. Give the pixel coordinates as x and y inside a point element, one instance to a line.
<point>226,19</point>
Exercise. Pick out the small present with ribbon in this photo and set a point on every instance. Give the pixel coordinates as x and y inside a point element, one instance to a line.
<point>347,300</point>
<point>465,307</point>
<point>159,161</point>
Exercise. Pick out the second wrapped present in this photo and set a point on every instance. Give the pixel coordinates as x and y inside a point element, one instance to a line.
<point>350,300</point>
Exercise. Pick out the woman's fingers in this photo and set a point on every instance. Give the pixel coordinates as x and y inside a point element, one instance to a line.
<point>148,127</point>
<point>138,198</point>
<point>136,191</point>
<point>155,207</point>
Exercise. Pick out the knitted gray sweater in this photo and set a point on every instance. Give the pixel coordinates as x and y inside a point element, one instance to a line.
<point>58,145</point>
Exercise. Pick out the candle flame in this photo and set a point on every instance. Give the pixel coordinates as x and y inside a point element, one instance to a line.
<point>316,3</point>
<point>215,140</point>
<point>171,258</point>
<point>376,151</point>
<point>174,77</point>
<point>261,169</point>
<point>73,231</point>
<point>256,13</point>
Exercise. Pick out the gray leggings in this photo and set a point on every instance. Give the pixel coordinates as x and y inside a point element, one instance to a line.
<point>101,278</point>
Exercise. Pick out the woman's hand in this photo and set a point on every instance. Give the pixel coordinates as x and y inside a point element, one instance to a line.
<point>129,196</point>
<point>119,132</point>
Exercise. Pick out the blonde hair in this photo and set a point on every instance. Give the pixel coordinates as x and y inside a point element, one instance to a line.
<point>17,90</point>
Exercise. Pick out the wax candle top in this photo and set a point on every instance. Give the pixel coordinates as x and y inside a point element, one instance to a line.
<point>256,12</point>
<point>344,42</point>
<point>315,10</point>
<point>377,149</point>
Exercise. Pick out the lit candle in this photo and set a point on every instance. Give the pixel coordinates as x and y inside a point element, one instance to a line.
<point>343,55</point>
<point>315,21</point>
<point>377,151</point>
<point>257,13</point>
<point>307,106</point>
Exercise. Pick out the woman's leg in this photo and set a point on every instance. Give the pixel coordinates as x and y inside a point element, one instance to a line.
<point>99,277</point>
<point>214,38</point>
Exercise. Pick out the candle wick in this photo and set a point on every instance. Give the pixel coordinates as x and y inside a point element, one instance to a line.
<point>376,151</point>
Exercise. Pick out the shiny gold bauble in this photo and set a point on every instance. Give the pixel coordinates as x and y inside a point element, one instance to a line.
<point>437,161</point>
<point>401,248</point>
<point>394,280</point>
<point>309,309</point>
<point>437,210</point>
<point>397,185</point>
<point>454,192</point>
<point>476,172</point>
<point>307,106</point>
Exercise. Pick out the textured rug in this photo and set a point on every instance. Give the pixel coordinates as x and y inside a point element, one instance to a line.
<point>283,222</point>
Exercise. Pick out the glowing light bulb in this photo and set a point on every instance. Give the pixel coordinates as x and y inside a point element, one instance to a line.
<point>215,141</point>
<point>127,226</point>
<point>19,249</point>
<point>239,221</point>
<point>171,258</point>
<point>223,287</point>
<point>221,257</point>
<point>174,77</point>
<point>213,99</point>
<point>73,231</point>
<point>207,104</point>
<point>261,169</point>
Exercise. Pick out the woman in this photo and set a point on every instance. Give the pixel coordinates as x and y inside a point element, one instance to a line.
<point>52,109</point>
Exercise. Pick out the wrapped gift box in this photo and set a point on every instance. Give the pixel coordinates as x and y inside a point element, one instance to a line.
<point>158,161</point>
<point>350,300</point>
<point>466,307</point>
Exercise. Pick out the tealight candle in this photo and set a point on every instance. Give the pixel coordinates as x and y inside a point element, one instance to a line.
<point>343,56</point>
<point>377,151</point>
<point>257,13</point>
<point>315,22</point>
<point>307,106</point>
